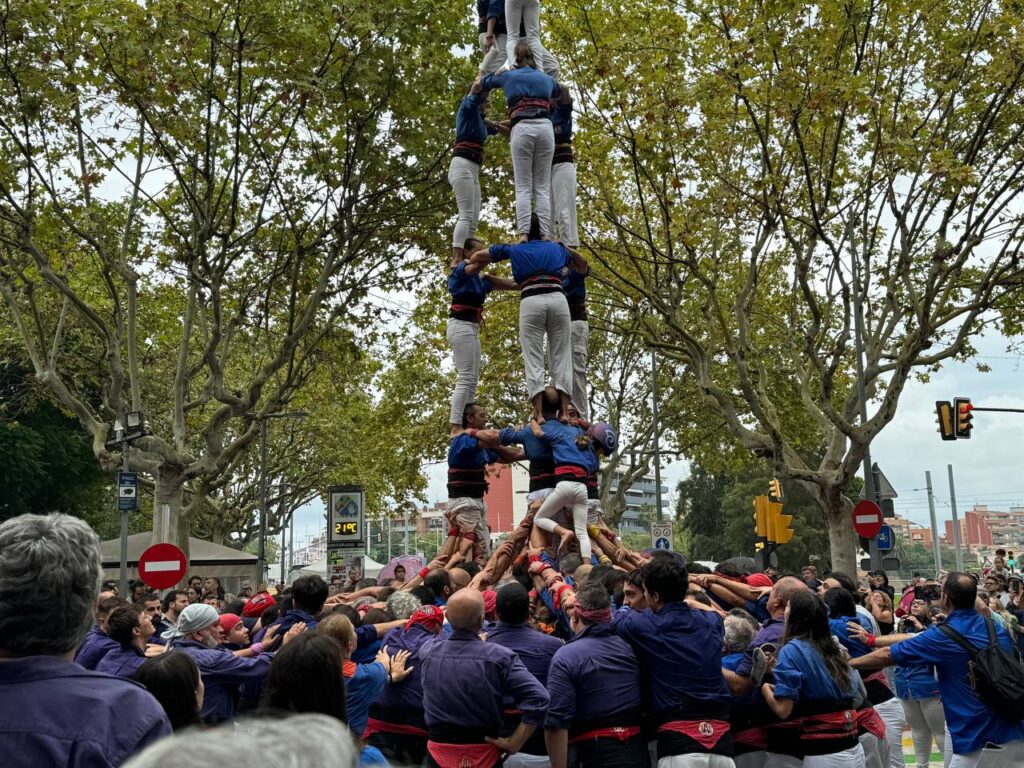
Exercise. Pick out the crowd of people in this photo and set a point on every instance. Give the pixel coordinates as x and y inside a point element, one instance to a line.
<point>564,662</point>
<point>558,648</point>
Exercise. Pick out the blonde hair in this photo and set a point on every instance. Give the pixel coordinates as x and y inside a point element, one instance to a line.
<point>524,55</point>
<point>338,626</point>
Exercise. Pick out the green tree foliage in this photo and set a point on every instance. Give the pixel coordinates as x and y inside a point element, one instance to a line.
<point>736,162</point>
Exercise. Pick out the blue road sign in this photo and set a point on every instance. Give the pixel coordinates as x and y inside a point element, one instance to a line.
<point>884,537</point>
<point>127,491</point>
<point>662,543</point>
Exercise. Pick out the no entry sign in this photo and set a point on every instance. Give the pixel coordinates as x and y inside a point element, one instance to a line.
<point>162,566</point>
<point>867,518</point>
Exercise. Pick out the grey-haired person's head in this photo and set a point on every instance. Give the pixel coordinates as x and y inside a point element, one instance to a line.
<point>402,605</point>
<point>49,577</point>
<point>294,740</point>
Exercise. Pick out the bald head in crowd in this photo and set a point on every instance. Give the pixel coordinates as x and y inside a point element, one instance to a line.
<point>459,579</point>
<point>466,610</point>
<point>781,594</point>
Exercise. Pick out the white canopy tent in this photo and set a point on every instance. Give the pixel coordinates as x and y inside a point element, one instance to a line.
<point>229,565</point>
<point>370,569</point>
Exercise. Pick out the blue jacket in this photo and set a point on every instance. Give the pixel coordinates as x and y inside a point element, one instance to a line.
<point>522,83</point>
<point>593,677</point>
<point>679,649</point>
<point>222,674</point>
<point>124,661</point>
<point>801,675</point>
<point>470,290</point>
<point>54,713</point>
<point>533,258</point>
<point>561,122</point>
<point>562,439</point>
<point>95,646</point>
<point>469,120</point>
<point>971,723</point>
<point>534,648</point>
<point>360,691</point>
<point>915,681</point>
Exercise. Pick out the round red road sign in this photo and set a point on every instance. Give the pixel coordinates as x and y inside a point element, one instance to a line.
<point>162,566</point>
<point>867,518</point>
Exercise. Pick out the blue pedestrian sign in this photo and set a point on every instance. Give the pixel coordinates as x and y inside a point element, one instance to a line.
<point>662,543</point>
<point>884,537</point>
<point>127,491</point>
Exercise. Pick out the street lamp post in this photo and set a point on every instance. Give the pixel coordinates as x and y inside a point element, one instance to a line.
<point>261,558</point>
<point>133,428</point>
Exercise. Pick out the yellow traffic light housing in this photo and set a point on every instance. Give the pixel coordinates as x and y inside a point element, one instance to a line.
<point>761,520</point>
<point>962,409</point>
<point>774,490</point>
<point>780,528</point>
<point>947,426</point>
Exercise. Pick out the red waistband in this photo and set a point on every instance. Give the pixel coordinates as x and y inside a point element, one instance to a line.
<point>869,720</point>
<point>464,755</point>
<point>569,470</point>
<point>612,732</point>
<point>524,104</point>
<point>707,733</point>
<point>379,726</point>
<point>830,725</point>
<point>468,145</point>
<point>752,737</point>
<point>479,311</point>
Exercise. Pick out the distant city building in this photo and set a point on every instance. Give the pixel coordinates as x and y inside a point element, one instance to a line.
<point>983,529</point>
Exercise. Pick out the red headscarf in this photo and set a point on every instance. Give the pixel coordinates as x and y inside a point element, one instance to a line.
<point>490,603</point>
<point>429,616</point>
<point>759,580</point>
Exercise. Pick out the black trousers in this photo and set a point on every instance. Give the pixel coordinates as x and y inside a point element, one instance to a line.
<point>609,753</point>
<point>400,748</point>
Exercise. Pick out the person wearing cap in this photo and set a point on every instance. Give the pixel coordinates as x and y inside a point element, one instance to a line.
<point>535,649</point>
<point>131,628</point>
<point>52,711</point>
<point>680,652</point>
<point>396,725</point>
<point>198,634</point>
<point>235,636</point>
<point>466,686</point>
<point>594,684</point>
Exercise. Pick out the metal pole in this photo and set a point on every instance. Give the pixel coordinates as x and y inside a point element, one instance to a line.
<point>870,487</point>
<point>936,549</point>
<point>657,441</point>
<point>291,543</point>
<point>956,522</point>
<point>124,528</point>
<point>405,524</point>
<point>261,557</point>
<point>389,539</point>
<point>284,576</point>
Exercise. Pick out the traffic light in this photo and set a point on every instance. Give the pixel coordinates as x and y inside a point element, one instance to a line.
<point>779,529</point>
<point>774,490</point>
<point>962,407</point>
<point>761,517</point>
<point>947,427</point>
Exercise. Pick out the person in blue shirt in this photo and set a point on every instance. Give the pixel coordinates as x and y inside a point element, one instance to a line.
<point>538,267</point>
<point>97,643</point>
<point>575,460</point>
<point>680,653</point>
<point>468,292</point>
<point>594,716</point>
<point>131,628</point>
<point>979,736</point>
<point>471,131</point>
<point>918,691</point>
<point>815,689</point>
<point>528,93</point>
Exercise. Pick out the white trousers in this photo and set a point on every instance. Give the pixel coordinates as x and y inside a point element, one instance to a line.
<point>1004,756</point>
<point>464,178</point>
<point>464,338</point>
<point>563,201</point>
<point>533,145</point>
<point>526,12</point>
<point>696,761</point>
<point>848,758</point>
<point>470,515</point>
<point>494,59</point>
<point>891,712</point>
<point>570,495</point>
<point>546,317</point>
<point>519,760</point>
<point>758,759</point>
<point>927,723</point>
<point>580,341</point>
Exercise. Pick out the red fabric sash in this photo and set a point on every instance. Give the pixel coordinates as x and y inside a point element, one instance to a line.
<point>524,104</point>
<point>878,677</point>
<point>869,720</point>
<point>707,733</point>
<point>467,308</point>
<point>752,737</point>
<point>830,725</point>
<point>570,471</point>
<point>613,732</point>
<point>464,755</point>
<point>379,726</point>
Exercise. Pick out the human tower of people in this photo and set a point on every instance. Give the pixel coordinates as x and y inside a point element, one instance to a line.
<point>559,648</point>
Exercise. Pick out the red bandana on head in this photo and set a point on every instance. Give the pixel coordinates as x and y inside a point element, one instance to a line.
<point>429,616</point>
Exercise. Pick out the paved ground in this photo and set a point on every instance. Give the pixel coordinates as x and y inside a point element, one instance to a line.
<point>910,759</point>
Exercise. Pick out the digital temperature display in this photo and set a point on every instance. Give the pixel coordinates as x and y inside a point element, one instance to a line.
<point>349,528</point>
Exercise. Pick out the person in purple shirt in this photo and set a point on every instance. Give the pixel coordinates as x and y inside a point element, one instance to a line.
<point>466,683</point>
<point>97,644</point>
<point>980,736</point>
<point>680,652</point>
<point>131,628</point>
<point>396,725</point>
<point>52,711</point>
<point>594,684</point>
<point>198,634</point>
<point>535,649</point>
